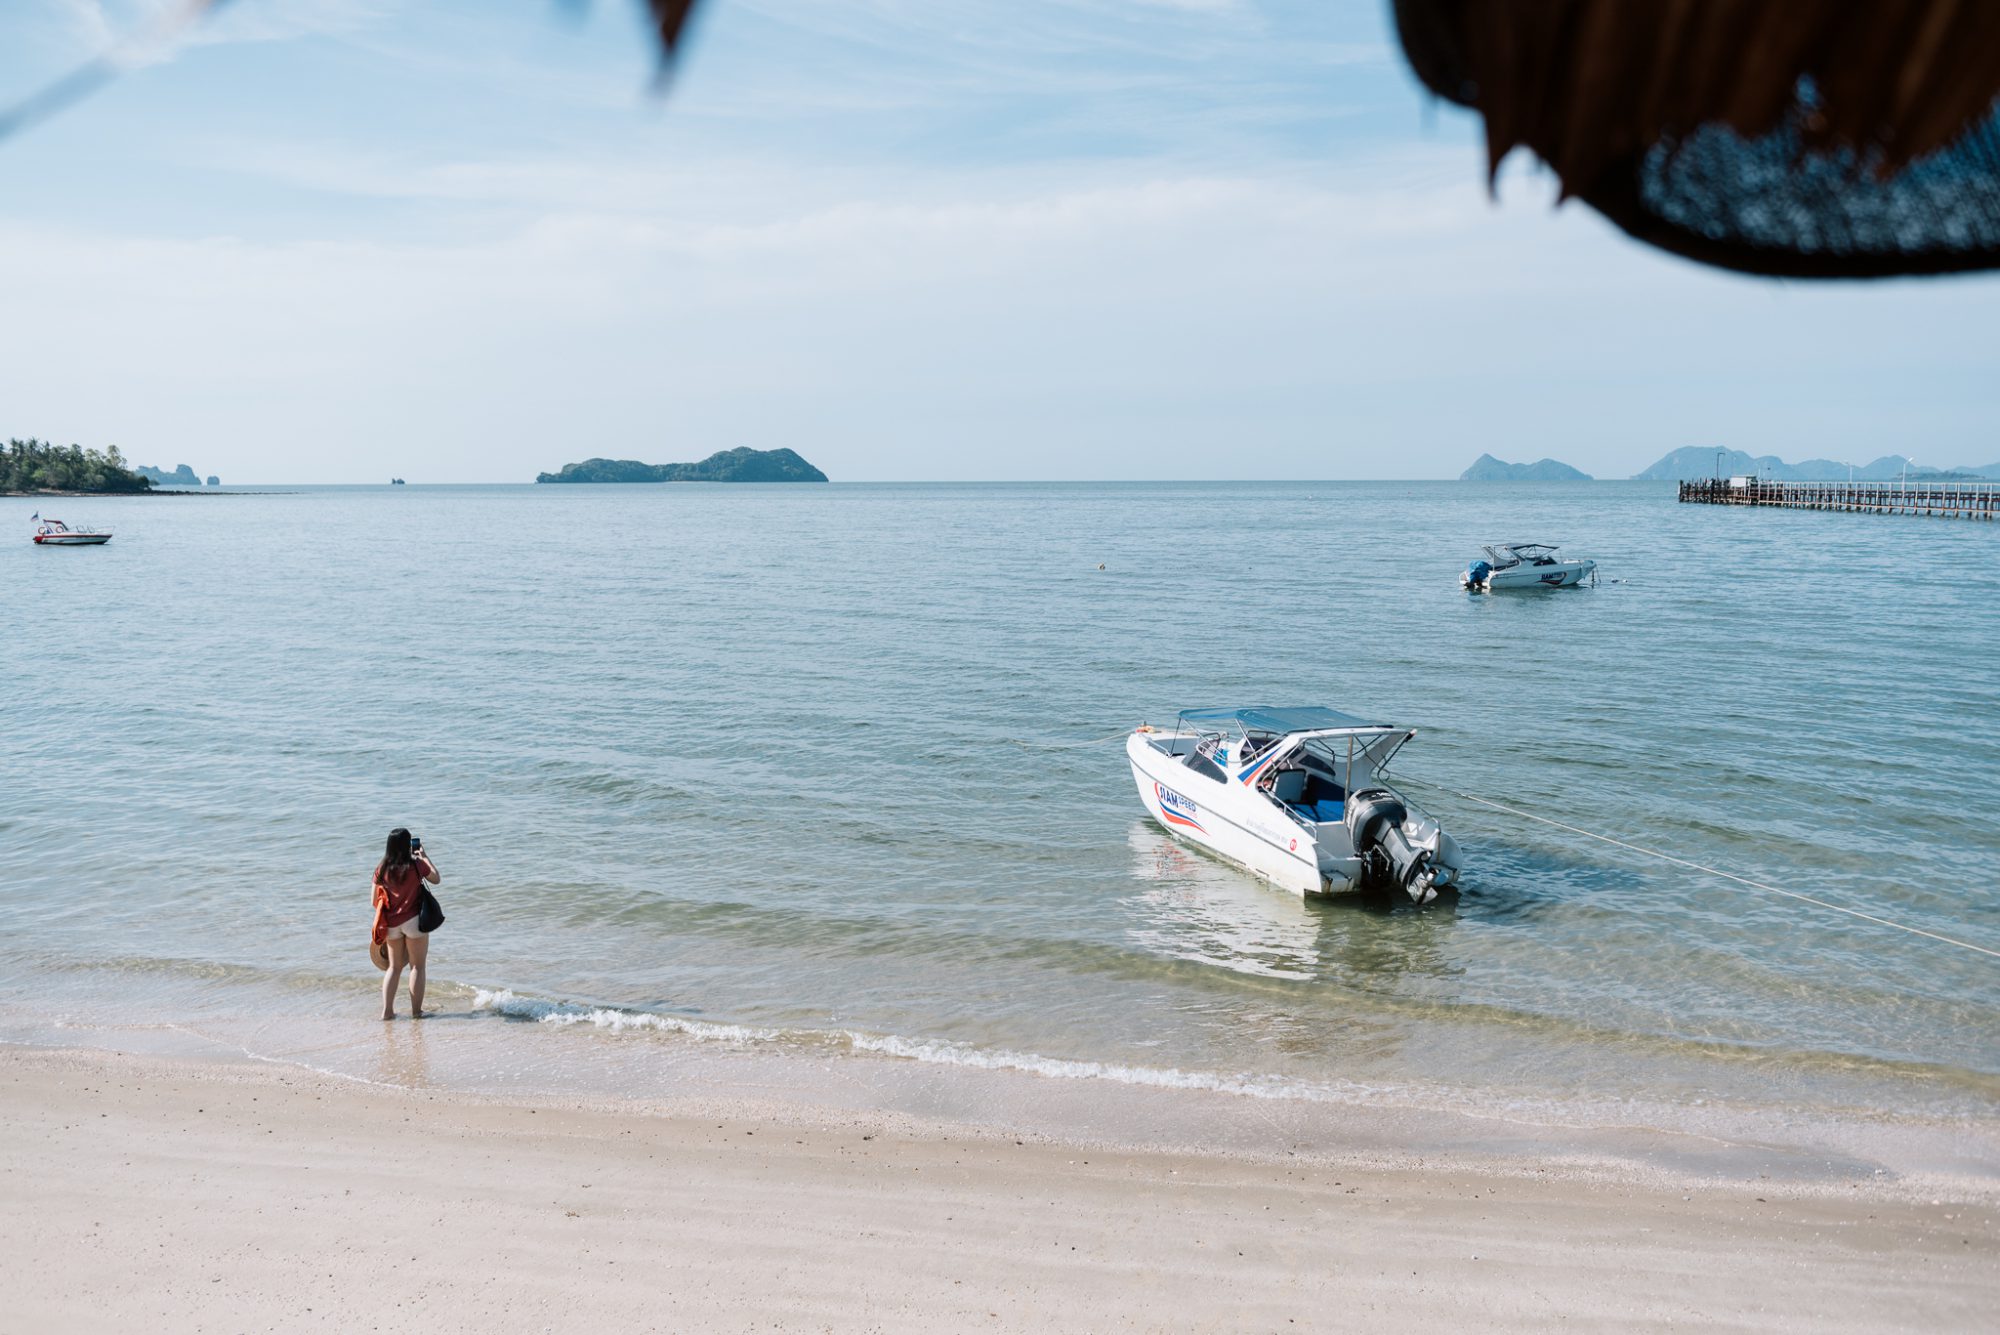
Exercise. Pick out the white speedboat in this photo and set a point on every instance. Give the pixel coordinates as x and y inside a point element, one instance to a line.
<point>1295,795</point>
<point>1524,565</point>
<point>55,533</point>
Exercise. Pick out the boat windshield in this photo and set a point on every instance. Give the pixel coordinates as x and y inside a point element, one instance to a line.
<point>1506,554</point>
<point>1365,753</point>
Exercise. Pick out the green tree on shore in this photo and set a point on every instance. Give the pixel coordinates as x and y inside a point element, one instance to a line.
<point>39,465</point>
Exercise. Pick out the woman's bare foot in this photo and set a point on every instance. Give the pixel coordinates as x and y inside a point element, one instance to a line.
<point>388,1015</point>
<point>421,1015</point>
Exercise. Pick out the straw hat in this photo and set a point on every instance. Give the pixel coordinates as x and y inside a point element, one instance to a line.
<point>378,954</point>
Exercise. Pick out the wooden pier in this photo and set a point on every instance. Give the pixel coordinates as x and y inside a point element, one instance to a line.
<point>1943,500</point>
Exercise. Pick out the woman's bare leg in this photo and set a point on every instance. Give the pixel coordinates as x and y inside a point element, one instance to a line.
<point>398,953</point>
<point>420,949</point>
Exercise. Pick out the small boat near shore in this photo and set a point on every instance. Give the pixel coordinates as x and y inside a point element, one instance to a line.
<point>1295,795</point>
<point>55,533</point>
<point>1524,565</point>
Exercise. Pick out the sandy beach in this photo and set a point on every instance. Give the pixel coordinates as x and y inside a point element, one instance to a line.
<point>171,1195</point>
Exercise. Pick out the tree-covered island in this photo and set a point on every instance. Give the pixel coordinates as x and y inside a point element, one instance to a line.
<point>28,466</point>
<point>741,464</point>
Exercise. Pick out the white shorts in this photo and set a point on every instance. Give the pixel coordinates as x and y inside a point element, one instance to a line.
<point>407,928</point>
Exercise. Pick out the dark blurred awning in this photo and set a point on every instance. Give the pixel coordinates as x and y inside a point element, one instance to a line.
<point>670,17</point>
<point>1797,138</point>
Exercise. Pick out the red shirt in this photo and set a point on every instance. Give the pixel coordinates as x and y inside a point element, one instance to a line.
<point>396,893</point>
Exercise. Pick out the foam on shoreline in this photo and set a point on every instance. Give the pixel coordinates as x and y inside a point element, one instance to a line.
<point>506,1043</point>
<point>1137,1104</point>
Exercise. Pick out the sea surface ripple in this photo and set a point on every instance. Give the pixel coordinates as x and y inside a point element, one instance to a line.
<point>815,765</point>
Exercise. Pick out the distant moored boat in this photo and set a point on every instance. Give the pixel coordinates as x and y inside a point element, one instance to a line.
<point>1524,565</point>
<point>55,533</point>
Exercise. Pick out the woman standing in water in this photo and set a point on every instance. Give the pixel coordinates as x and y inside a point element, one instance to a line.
<point>398,879</point>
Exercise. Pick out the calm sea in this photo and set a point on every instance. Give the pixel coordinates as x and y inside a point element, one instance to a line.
<point>727,781</point>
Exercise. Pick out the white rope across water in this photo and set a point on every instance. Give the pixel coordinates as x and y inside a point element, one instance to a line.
<point>1064,746</point>
<point>1711,871</point>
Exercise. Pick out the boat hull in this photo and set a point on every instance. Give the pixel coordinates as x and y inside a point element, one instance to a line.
<point>1561,575</point>
<point>1226,820</point>
<point>71,539</point>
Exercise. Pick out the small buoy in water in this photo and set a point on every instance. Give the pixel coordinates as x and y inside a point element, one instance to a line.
<point>1100,565</point>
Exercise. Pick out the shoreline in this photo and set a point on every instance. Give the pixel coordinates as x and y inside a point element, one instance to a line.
<point>120,495</point>
<point>286,1198</point>
<point>1672,1129</point>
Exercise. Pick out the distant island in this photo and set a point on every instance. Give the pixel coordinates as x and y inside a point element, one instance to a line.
<point>738,465</point>
<point>1488,469</point>
<point>182,476</point>
<point>32,466</point>
<point>1693,462</point>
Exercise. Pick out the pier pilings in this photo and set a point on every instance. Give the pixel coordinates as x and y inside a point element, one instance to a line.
<point>1941,500</point>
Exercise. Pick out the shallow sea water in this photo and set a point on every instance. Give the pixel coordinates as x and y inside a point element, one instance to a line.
<point>800,788</point>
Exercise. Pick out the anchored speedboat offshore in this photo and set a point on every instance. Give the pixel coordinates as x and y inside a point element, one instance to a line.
<point>1524,565</point>
<point>55,533</point>
<point>1295,795</point>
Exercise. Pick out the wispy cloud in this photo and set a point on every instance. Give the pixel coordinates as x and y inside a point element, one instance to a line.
<point>1044,324</point>
<point>142,32</point>
<point>931,237</point>
<point>115,40</point>
<point>90,22</point>
<point>290,20</point>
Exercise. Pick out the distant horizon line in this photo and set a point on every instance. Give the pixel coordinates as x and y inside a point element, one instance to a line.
<point>924,482</point>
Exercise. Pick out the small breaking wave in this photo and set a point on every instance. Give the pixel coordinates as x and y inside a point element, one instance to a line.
<point>504,1002</point>
<point>943,1052</point>
<point>935,1052</point>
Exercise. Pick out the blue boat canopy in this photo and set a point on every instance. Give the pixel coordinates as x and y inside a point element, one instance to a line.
<point>1281,718</point>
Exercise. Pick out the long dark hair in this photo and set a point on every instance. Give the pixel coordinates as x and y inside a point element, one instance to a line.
<point>397,859</point>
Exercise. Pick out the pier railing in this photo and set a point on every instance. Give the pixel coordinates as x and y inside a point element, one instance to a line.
<point>1945,500</point>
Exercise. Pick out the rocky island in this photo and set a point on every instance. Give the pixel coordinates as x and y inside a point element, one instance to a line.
<point>741,464</point>
<point>1693,462</point>
<point>182,476</point>
<point>1488,469</point>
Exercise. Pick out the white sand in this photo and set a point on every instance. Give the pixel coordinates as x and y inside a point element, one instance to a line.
<point>142,1194</point>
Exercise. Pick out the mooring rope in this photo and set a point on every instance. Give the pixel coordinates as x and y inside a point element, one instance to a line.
<point>1064,746</point>
<point>1712,871</point>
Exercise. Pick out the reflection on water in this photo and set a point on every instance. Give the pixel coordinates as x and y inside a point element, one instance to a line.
<point>1198,907</point>
<point>1380,936</point>
<point>403,1056</point>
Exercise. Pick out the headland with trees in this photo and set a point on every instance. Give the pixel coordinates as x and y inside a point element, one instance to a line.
<point>30,466</point>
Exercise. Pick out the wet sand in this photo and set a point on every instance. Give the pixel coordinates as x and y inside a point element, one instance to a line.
<point>181,1196</point>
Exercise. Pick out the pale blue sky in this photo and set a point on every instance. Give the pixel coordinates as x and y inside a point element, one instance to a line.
<point>331,240</point>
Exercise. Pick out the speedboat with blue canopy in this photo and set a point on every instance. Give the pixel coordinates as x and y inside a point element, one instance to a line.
<point>1525,565</point>
<point>1295,794</point>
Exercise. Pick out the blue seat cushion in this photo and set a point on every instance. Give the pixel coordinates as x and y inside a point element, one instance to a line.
<point>1329,809</point>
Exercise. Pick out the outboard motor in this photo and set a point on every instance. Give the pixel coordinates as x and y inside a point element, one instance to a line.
<point>1476,573</point>
<point>1375,818</point>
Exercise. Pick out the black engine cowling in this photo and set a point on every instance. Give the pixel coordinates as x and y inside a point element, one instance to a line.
<point>1375,818</point>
